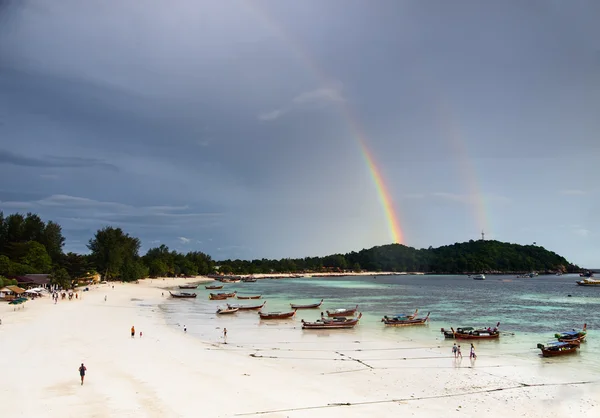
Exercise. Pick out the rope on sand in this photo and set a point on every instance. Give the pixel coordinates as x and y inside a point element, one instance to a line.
<point>404,400</point>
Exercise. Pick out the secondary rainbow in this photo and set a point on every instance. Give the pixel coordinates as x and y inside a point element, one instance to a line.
<point>383,193</point>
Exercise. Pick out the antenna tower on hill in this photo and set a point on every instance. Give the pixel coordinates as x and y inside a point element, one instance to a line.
<point>482,236</point>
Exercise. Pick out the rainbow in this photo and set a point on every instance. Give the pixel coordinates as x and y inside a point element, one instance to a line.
<point>383,193</point>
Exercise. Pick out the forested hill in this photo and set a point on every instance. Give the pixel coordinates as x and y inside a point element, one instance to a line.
<point>465,257</point>
<point>30,245</point>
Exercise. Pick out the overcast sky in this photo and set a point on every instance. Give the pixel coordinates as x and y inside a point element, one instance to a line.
<point>224,126</point>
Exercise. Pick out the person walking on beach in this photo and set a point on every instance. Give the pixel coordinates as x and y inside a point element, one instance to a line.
<point>458,353</point>
<point>104,298</point>
<point>140,334</point>
<point>225,335</point>
<point>184,328</point>
<point>82,370</point>
<point>472,354</point>
<point>455,350</point>
<point>132,331</point>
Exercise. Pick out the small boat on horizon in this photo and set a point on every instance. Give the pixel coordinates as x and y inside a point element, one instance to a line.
<point>558,348</point>
<point>342,312</point>
<point>183,295</point>
<point>479,277</point>
<point>310,306</point>
<point>277,315</point>
<point>334,323</point>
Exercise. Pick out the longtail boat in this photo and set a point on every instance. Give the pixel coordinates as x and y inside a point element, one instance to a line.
<point>558,348</point>
<point>188,286</point>
<point>334,323</point>
<point>183,295</point>
<point>249,297</point>
<point>228,310</point>
<point>249,280</point>
<point>569,336</point>
<point>407,316</point>
<point>342,312</point>
<point>247,307</point>
<point>221,296</point>
<point>213,287</point>
<point>311,306</point>
<point>277,315</point>
<point>231,280</point>
<point>404,321</point>
<point>470,333</point>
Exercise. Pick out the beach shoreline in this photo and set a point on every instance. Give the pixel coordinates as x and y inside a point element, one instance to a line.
<point>279,372</point>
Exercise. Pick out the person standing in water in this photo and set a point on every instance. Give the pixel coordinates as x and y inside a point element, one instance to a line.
<point>472,354</point>
<point>82,370</point>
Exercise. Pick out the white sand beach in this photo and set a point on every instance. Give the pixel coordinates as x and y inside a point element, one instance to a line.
<point>169,373</point>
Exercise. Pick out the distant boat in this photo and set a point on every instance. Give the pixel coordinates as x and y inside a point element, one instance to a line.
<point>188,286</point>
<point>479,277</point>
<point>335,323</point>
<point>342,312</point>
<point>558,348</point>
<point>183,295</point>
<point>214,287</point>
<point>249,297</point>
<point>277,315</point>
<point>588,281</point>
<point>470,333</point>
<point>570,336</point>
<point>247,307</point>
<point>310,306</point>
<point>403,321</point>
<point>227,310</point>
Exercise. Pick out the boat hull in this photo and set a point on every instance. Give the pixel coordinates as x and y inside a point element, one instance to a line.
<point>311,306</point>
<point>284,315</point>
<point>183,295</point>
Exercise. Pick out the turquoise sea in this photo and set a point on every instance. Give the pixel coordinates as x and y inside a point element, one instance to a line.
<point>530,310</point>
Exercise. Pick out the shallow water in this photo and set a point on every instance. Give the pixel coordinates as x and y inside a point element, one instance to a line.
<point>530,310</point>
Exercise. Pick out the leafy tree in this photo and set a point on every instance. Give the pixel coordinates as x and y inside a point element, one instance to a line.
<point>36,257</point>
<point>113,251</point>
<point>53,240</point>
<point>61,278</point>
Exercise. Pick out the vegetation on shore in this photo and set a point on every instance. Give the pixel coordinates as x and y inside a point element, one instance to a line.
<point>29,245</point>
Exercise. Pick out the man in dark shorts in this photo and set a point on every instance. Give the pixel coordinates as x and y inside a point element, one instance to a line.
<point>82,370</point>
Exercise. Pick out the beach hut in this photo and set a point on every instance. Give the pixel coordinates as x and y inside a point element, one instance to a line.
<point>6,294</point>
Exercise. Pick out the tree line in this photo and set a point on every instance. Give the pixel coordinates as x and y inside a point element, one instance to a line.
<point>29,245</point>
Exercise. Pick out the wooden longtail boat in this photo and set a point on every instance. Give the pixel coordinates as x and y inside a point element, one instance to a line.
<point>188,286</point>
<point>311,306</point>
<point>183,295</point>
<point>249,297</point>
<point>342,312</point>
<point>231,280</point>
<point>249,280</point>
<point>569,336</point>
<point>247,307</point>
<point>470,333</point>
<point>404,321</point>
<point>221,296</point>
<point>558,348</point>
<point>335,323</point>
<point>228,310</point>
<point>277,315</point>
<point>213,287</point>
<point>406,316</point>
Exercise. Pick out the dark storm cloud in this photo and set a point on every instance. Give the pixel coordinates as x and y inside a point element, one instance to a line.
<point>7,157</point>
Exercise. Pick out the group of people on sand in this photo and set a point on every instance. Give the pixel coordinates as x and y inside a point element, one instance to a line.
<point>457,352</point>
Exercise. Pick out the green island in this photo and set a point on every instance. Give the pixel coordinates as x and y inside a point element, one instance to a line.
<point>28,245</point>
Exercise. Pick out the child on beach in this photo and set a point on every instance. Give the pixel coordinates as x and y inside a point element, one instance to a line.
<point>132,331</point>
<point>458,353</point>
<point>82,370</point>
<point>455,350</point>
<point>472,354</point>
